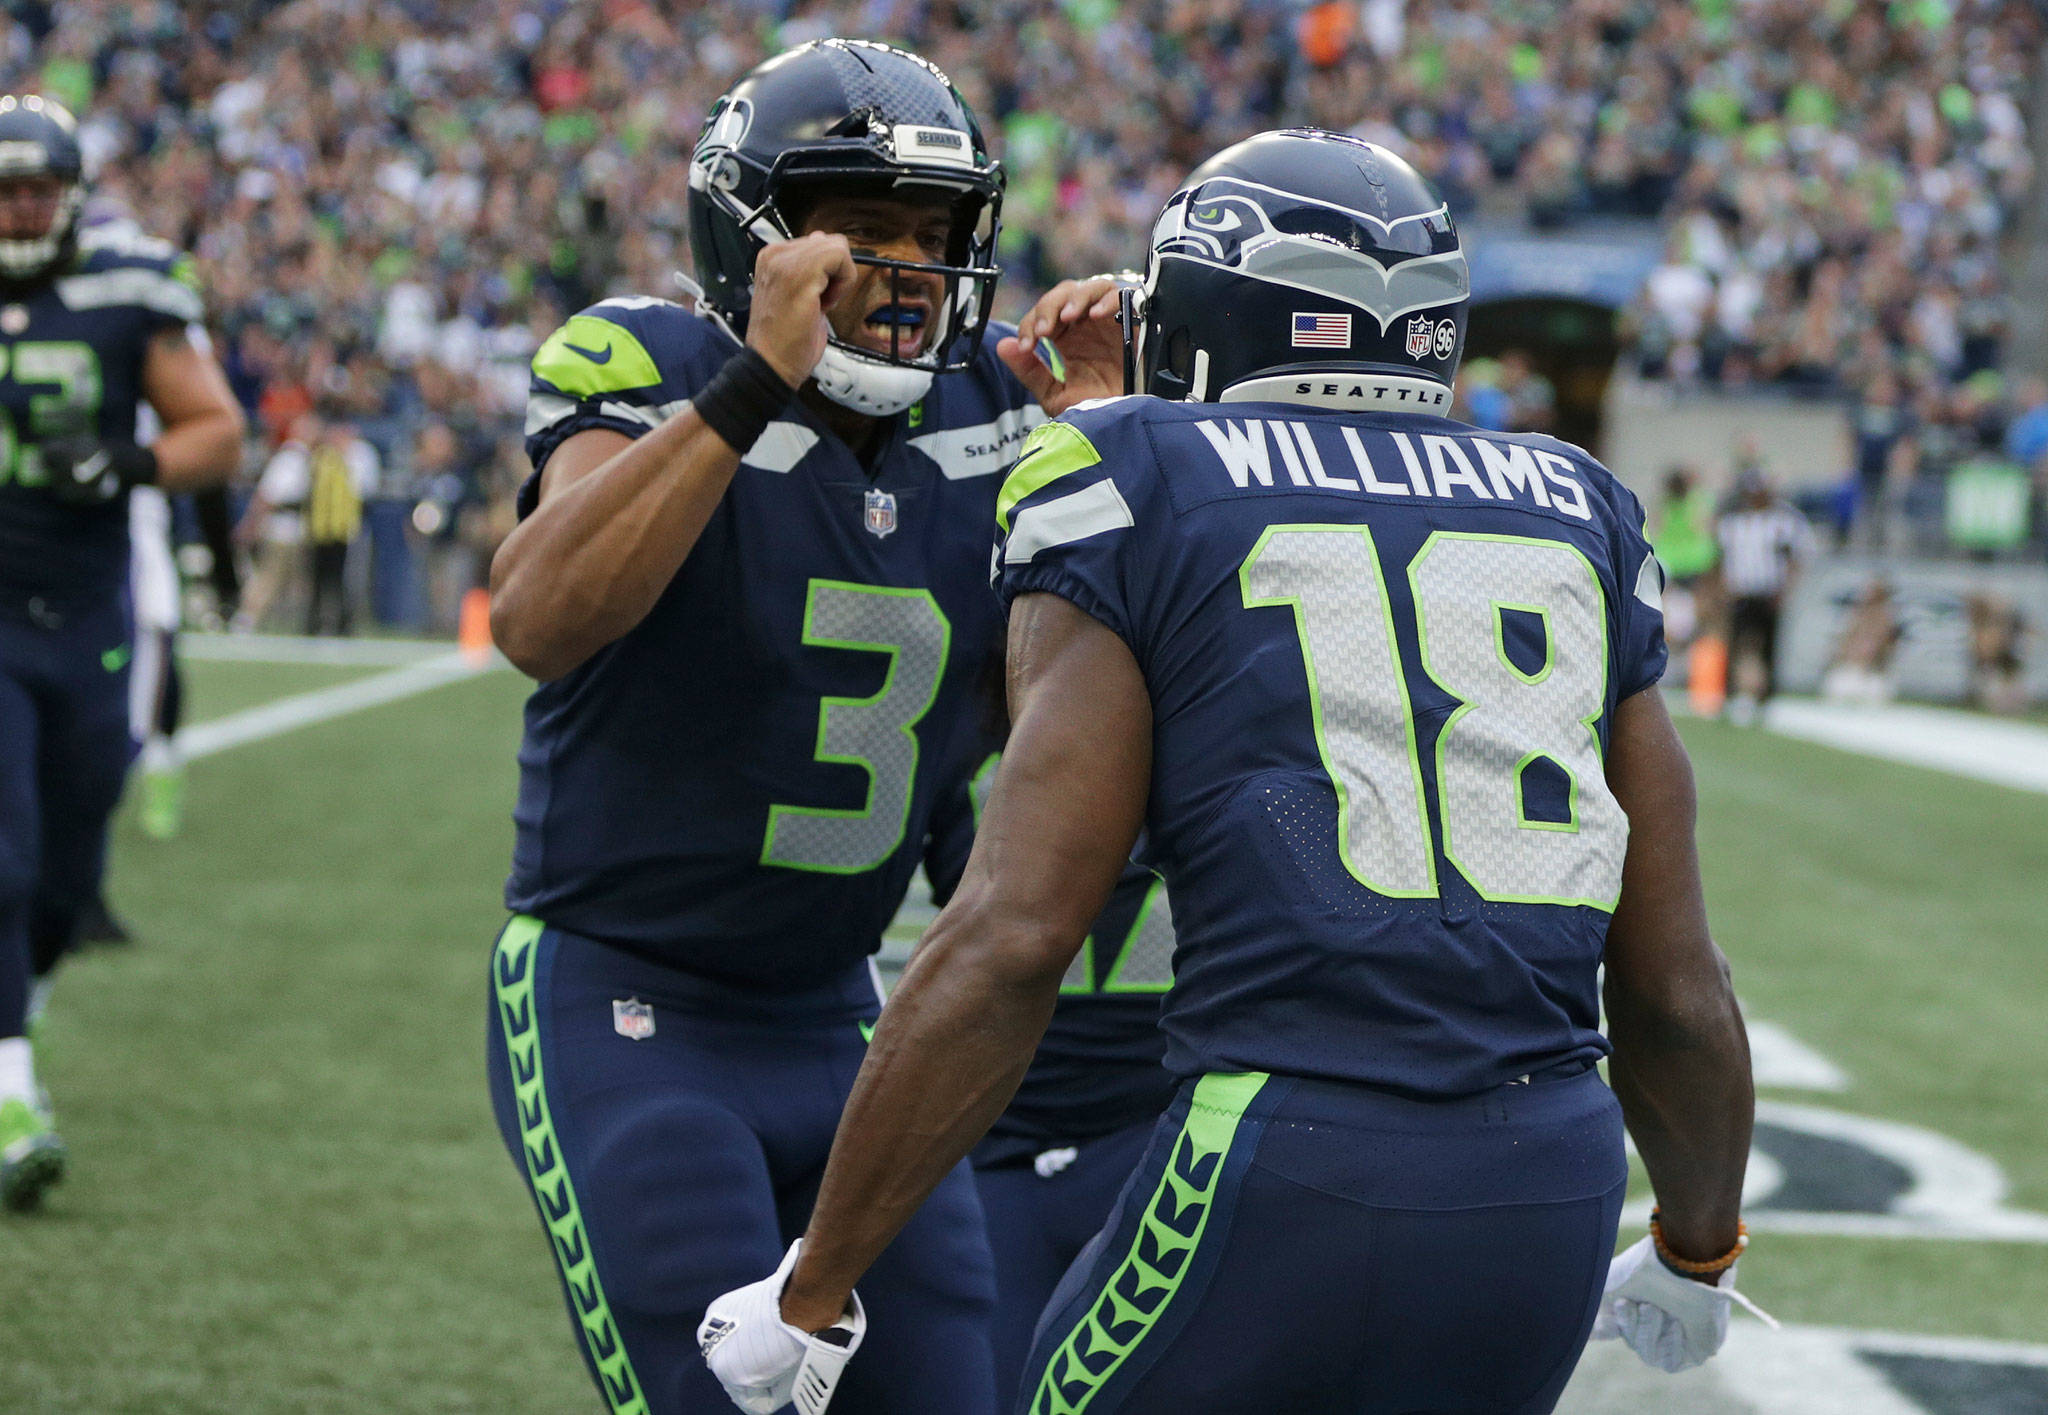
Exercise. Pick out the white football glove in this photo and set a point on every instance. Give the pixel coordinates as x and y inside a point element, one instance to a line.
<point>762,1361</point>
<point>1671,1321</point>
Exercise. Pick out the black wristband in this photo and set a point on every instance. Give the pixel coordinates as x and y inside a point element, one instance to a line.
<point>138,466</point>
<point>744,397</point>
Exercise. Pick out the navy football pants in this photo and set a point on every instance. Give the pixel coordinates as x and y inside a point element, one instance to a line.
<point>1290,1247</point>
<point>1039,1223</point>
<point>64,750</point>
<point>674,1168</point>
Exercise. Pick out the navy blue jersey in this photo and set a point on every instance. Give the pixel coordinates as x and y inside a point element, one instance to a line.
<point>1383,652</point>
<point>741,786</point>
<point>71,357</point>
<point>1097,1069</point>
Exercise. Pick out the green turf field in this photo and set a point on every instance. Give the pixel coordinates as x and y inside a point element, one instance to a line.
<point>287,1193</point>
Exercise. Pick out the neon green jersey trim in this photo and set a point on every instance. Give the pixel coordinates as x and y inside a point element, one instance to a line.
<point>548,1173</point>
<point>1160,1256</point>
<point>1051,452</point>
<point>588,356</point>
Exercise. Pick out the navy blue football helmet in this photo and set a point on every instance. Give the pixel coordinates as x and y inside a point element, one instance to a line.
<point>847,115</point>
<point>39,138</point>
<point>1299,253</point>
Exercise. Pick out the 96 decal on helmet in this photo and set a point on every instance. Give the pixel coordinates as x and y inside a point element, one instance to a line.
<point>1268,273</point>
<point>848,116</point>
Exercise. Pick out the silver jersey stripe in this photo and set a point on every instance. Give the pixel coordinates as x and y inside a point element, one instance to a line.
<point>781,447</point>
<point>150,289</point>
<point>544,410</point>
<point>1066,519</point>
<point>778,449</point>
<point>984,448</point>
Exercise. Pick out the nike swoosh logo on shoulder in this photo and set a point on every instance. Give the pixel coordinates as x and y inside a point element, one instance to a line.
<point>867,1030</point>
<point>596,356</point>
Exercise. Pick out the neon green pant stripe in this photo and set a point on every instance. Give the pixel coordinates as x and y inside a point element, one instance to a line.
<point>512,971</point>
<point>1160,1255</point>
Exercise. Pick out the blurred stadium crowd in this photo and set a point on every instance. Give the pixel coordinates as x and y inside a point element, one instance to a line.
<point>392,203</point>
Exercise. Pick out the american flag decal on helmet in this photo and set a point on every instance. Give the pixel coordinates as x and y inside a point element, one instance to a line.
<point>1322,331</point>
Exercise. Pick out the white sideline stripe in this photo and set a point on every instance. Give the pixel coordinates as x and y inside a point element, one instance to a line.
<point>1989,749</point>
<point>204,739</point>
<point>292,648</point>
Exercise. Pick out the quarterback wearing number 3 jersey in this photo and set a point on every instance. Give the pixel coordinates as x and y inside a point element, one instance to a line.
<point>751,575</point>
<point>1380,690</point>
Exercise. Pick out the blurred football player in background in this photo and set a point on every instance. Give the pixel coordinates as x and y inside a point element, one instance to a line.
<point>93,324</point>
<point>751,575</point>
<point>1382,691</point>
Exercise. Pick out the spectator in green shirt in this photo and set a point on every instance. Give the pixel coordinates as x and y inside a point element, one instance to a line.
<point>1682,534</point>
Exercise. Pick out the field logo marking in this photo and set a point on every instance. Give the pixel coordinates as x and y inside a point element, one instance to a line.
<point>1814,1170</point>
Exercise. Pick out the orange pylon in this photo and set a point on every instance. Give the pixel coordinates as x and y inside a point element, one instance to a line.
<point>1706,678</point>
<point>473,633</point>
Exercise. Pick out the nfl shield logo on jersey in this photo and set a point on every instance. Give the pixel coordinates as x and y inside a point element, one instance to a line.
<point>632,1019</point>
<point>1419,333</point>
<point>881,513</point>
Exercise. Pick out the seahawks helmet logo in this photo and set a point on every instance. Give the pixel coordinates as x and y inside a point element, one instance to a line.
<point>1386,268</point>
<point>1215,230</point>
<point>724,130</point>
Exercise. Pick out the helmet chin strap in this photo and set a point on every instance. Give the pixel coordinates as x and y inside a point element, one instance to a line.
<point>869,386</point>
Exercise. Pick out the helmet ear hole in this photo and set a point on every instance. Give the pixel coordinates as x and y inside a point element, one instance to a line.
<point>1178,356</point>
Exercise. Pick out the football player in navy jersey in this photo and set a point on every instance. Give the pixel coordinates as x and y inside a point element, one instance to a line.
<point>752,577</point>
<point>94,324</point>
<point>1381,690</point>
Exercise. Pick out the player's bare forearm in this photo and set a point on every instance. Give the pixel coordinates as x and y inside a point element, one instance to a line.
<point>955,1039</point>
<point>1681,1055</point>
<point>199,452</point>
<point>949,1052</point>
<point>201,441</point>
<point>616,519</point>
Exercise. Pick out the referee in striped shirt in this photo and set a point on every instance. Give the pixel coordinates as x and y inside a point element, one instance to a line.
<point>1764,542</point>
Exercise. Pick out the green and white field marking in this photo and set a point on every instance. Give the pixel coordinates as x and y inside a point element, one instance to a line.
<point>322,679</point>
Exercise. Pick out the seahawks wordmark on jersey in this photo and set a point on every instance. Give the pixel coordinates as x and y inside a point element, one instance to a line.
<point>742,784</point>
<point>71,356</point>
<point>1383,651</point>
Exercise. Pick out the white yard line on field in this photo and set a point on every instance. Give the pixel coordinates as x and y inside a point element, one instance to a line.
<point>291,648</point>
<point>1990,749</point>
<point>204,739</point>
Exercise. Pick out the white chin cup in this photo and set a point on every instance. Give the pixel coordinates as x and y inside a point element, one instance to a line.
<point>21,260</point>
<point>871,386</point>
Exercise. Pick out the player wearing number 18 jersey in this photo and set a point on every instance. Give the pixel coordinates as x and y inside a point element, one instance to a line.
<point>1380,688</point>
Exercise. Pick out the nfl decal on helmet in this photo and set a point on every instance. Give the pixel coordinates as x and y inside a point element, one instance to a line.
<point>847,115</point>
